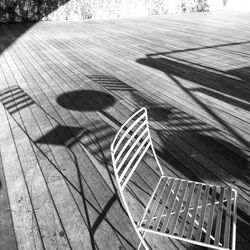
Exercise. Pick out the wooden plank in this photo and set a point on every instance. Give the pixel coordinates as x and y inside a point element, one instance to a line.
<point>27,234</point>
<point>8,238</point>
<point>165,199</point>
<point>219,218</point>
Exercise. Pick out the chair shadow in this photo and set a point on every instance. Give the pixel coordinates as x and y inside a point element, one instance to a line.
<point>16,100</point>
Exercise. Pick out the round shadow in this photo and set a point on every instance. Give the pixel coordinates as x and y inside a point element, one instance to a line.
<point>159,114</point>
<point>85,100</point>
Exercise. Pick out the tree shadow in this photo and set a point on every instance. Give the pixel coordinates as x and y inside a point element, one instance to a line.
<point>10,31</point>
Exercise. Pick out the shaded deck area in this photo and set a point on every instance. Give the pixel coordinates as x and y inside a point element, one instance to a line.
<point>66,87</point>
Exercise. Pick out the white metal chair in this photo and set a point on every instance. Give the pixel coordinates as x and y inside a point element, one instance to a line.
<point>191,211</point>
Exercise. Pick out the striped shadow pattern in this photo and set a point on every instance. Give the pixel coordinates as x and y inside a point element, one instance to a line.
<point>191,211</point>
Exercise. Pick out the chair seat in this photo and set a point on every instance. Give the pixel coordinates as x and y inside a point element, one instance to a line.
<point>192,211</point>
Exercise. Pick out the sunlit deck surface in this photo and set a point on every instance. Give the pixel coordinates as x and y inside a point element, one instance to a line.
<point>65,89</point>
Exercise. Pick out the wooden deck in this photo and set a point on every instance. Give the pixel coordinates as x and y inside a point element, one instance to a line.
<point>65,89</point>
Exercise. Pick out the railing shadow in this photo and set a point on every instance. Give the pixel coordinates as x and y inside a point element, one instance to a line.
<point>177,51</point>
<point>234,84</point>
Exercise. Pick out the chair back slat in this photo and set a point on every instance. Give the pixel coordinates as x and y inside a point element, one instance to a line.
<point>131,151</point>
<point>128,130</point>
<point>144,124</point>
<point>136,163</point>
<point>130,145</point>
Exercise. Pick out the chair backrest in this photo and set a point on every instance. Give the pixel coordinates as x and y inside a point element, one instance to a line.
<point>130,144</point>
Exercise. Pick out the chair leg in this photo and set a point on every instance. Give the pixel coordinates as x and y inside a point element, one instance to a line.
<point>142,241</point>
